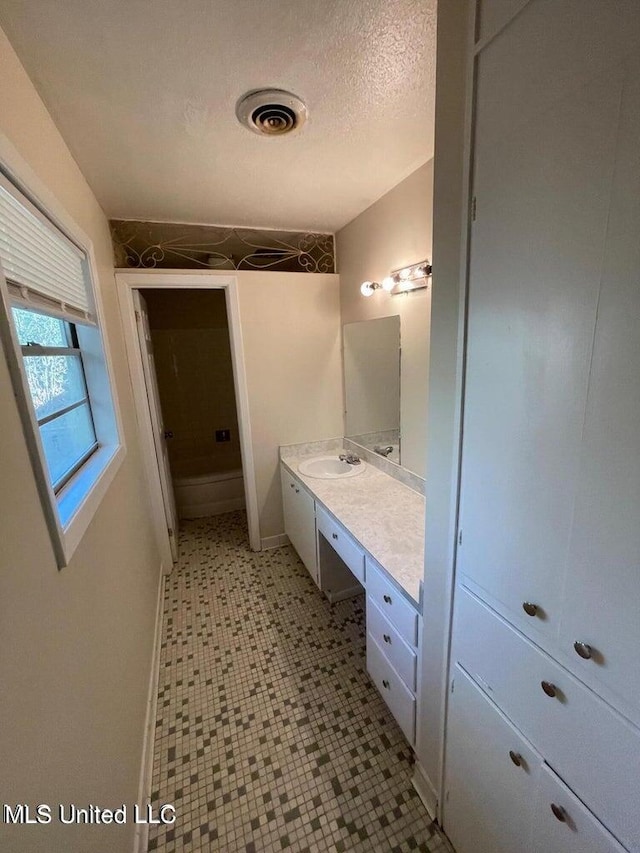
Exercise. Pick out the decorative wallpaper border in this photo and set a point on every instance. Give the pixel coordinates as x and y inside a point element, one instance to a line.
<point>169,245</point>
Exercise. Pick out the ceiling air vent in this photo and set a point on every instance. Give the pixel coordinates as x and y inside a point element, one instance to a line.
<point>271,112</point>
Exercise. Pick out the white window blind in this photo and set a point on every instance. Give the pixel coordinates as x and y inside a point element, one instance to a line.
<point>40,264</point>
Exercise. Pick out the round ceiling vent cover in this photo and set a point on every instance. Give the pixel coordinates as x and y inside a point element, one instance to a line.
<point>271,112</point>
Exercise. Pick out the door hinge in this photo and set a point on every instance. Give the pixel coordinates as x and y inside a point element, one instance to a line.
<point>137,313</point>
<point>453,683</point>
<point>460,537</point>
<point>171,533</point>
<point>474,207</point>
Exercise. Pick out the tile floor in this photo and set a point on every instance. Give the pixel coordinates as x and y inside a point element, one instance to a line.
<point>269,734</point>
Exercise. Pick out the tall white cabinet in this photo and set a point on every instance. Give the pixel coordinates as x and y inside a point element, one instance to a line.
<point>546,639</point>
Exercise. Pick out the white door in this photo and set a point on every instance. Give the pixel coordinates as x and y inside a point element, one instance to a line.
<point>155,411</point>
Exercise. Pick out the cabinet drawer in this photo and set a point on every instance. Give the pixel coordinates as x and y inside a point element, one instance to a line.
<point>568,827</point>
<point>401,656</point>
<point>342,542</point>
<point>393,604</point>
<point>401,702</point>
<point>593,748</point>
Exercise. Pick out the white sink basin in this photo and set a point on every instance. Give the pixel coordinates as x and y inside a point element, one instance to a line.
<point>329,468</point>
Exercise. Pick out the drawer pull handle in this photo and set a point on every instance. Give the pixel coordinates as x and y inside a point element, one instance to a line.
<point>387,599</point>
<point>297,491</point>
<point>386,638</point>
<point>385,683</point>
<point>293,485</point>
<point>583,649</point>
<point>530,608</point>
<point>516,758</point>
<point>550,689</point>
<point>335,535</point>
<point>559,813</point>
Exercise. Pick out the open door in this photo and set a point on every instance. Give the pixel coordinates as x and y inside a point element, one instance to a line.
<point>155,411</point>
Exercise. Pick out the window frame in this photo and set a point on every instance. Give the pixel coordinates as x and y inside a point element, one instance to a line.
<point>73,350</point>
<point>68,511</point>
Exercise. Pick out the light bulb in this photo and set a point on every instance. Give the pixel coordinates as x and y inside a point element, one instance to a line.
<point>405,273</point>
<point>388,283</point>
<point>366,288</point>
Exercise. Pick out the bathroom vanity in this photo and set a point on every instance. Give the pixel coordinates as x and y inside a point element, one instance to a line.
<point>364,532</point>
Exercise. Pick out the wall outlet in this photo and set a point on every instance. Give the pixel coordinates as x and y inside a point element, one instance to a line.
<point>223,435</point>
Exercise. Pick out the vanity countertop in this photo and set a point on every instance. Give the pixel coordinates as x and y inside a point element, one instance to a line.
<point>383,515</point>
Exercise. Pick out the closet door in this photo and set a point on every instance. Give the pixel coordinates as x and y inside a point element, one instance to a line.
<point>492,775</point>
<point>545,148</point>
<point>602,592</point>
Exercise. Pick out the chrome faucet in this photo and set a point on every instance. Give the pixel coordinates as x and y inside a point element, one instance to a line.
<point>349,458</point>
<point>383,451</point>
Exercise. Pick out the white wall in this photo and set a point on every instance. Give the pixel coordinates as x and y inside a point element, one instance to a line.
<point>291,337</point>
<point>75,645</point>
<point>394,232</point>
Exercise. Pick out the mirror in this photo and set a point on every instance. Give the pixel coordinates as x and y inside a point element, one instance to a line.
<point>371,363</point>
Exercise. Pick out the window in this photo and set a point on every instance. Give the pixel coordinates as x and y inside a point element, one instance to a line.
<point>54,348</point>
<point>53,364</point>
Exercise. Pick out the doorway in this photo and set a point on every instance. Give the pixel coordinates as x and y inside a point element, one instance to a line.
<point>183,339</point>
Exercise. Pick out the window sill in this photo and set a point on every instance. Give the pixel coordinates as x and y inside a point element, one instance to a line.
<point>78,502</point>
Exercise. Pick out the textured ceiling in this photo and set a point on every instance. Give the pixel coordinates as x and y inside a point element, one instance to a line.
<point>144,93</point>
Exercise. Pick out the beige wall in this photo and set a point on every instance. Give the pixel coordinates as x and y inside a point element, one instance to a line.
<point>394,232</point>
<point>192,355</point>
<point>291,334</point>
<point>75,645</point>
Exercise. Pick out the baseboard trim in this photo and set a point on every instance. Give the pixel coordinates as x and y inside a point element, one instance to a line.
<point>426,791</point>
<point>211,508</point>
<point>276,541</point>
<point>141,838</point>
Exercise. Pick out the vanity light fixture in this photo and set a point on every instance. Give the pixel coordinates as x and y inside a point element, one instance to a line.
<point>413,277</point>
<point>367,288</point>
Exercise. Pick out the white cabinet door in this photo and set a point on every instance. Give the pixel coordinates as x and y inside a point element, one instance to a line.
<point>300,521</point>
<point>562,824</point>
<point>553,243</point>
<point>491,777</point>
<point>603,579</point>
